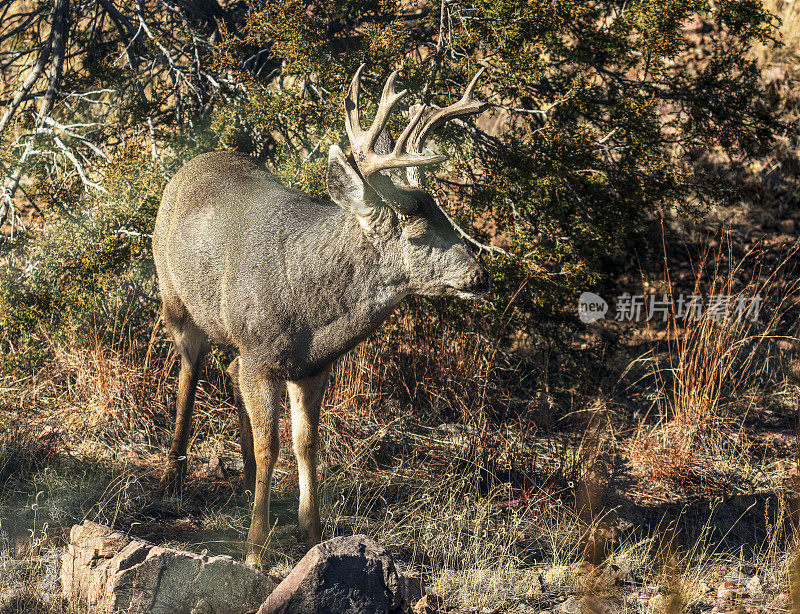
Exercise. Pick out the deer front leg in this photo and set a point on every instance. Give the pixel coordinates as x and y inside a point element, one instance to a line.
<point>262,399</point>
<point>305,397</point>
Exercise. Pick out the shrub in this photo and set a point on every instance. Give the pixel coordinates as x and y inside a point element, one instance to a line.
<point>86,271</point>
<point>595,120</point>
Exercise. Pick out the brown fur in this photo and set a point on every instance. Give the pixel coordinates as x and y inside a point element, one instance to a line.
<point>290,283</point>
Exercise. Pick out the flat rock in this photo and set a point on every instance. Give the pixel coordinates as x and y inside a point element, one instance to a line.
<point>344,575</point>
<point>105,571</point>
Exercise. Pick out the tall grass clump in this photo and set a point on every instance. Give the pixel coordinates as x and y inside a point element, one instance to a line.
<point>717,355</point>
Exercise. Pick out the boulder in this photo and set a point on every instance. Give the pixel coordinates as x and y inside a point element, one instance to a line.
<point>344,575</point>
<point>104,571</point>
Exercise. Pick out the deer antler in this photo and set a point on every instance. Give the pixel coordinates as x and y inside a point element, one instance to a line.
<point>428,118</point>
<point>407,150</point>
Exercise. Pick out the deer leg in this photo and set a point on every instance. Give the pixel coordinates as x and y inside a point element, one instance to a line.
<point>191,344</point>
<point>305,397</point>
<point>245,430</point>
<point>262,399</point>
<point>246,443</point>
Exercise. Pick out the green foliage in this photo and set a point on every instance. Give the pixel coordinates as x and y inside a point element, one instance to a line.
<point>599,112</point>
<point>85,272</point>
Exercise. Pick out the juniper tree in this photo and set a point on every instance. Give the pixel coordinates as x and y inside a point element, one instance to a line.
<point>597,119</point>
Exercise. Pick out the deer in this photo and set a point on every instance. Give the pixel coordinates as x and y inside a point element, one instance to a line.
<point>290,282</point>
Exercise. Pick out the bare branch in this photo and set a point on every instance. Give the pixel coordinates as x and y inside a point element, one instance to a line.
<point>438,54</point>
<point>49,121</point>
<point>482,247</point>
<point>78,166</point>
<point>26,87</point>
<point>58,45</point>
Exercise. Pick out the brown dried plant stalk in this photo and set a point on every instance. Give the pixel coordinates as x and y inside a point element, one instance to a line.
<point>716,357</point>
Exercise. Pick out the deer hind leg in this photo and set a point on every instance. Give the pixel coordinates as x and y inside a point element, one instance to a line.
<point>305,397</point>
<point>262,397</point>
<point>192,345</point>
<point>245,429</point>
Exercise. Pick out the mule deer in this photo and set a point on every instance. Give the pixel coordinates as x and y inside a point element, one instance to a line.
<point>292,282</point>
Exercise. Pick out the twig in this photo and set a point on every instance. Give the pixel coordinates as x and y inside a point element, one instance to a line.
<point>520,109</point>
<point>66,130</point>
<point>153,149</point>
<point>438,54</point>
<point>311,153</point>
<point>467,237</point>
<point>606,137</point>
<point>78,166</point>
<point>132,233</point>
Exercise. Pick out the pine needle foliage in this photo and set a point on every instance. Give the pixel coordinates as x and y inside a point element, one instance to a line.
<point>596,119</point>
<point>598,114</point>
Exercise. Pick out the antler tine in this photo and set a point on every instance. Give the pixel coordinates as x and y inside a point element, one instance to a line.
<point>431,118</point>
<point>352,123</point>
<point>363,142</point>
<point>409,130</point>
<point>407,151</point>
<point>471,87</point>
<point>389,98</point>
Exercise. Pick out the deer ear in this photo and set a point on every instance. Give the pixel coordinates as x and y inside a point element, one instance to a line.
<point>345,185</point>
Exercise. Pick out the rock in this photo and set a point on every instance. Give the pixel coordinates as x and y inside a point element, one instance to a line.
<point>722,571</point>
<point>556,575</point>
<point>410,588</point>
<point>754,586</point>
<point>216,468</point>
<point>726,590</point>
<point>609,575</point>
<point>346,575</point>
<point>104,571</point>
<point>570,606</point>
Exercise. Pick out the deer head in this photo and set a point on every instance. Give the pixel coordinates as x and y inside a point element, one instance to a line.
<point>391,206</point>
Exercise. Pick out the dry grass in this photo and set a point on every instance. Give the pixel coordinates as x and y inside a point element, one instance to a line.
<point>715,358</point>
<point>712,364</point>
<point>452,501</point>
<point>428,447</point>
